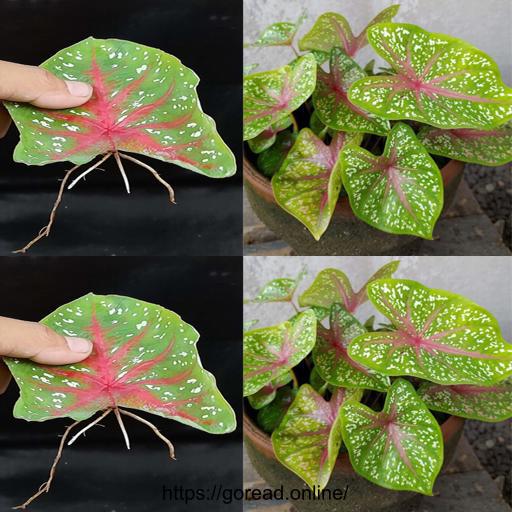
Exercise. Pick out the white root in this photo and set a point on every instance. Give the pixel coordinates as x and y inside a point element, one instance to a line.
<point>90,425</point>
<point>88,170</point>
<point>123,430</point>
<point>123,173</point>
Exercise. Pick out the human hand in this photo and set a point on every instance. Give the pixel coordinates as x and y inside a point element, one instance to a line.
<point>31,84</point>
<point>31,340</point>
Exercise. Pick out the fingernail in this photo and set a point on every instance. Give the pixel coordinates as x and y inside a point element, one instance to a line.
<point>78,88</point>
<point>78,344</point>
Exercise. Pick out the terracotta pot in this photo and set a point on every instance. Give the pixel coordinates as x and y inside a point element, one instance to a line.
<point>361,495</point>
<point>346,234</point>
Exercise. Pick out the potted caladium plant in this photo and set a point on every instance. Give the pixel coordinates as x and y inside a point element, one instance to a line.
<point>366,159</point>
<point>144,357</point>
<point>372,410</point>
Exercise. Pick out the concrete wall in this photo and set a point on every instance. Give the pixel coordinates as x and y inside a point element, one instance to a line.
<point>485,280</point>
<point>484,23</point>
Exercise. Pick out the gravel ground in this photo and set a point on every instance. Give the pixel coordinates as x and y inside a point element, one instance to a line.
<point>492,187</point>
<point>492,443</point>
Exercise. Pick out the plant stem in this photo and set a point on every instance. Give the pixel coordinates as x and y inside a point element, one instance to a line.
<point>294,50</point>
<point>294,379</point>
<point>85,429</point>
<point>45,487</point>
<point>294,123</point>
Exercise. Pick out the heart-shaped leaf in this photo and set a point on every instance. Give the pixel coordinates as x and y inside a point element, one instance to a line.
<point>484,403</point>
<point>268,392</point>
<point>331,358</point>
<point>144,101</point>
<point>331,101</point>
<point>271,352</point>
<point>144,357</point>
<point>279,290</point>
<point>271,160</point>
<point>268,136</point>
<point>440,80</point>
<point>400,447</point>
<point>332,30</point>
<point>273,95</point>
<point>484,147</point>
<point>333,286</point>
<point>270,416</point>
<point>279,34</point>
<point>440,336</point>
<point>399,192</point>
<point>308,439</point>
<point>309,182</point>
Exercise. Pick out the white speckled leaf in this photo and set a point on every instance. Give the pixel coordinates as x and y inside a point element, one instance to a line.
<point>270,96</point>
<point>268,136</point>
<point>144,357</point>
<point>484,147</point>
<point>270,160</point>
<point>400,192</point>
<point>331,358</point>
<point>440,336</point>
<point>331,101</point>
<point>400,447</point>
<point>279,290</point>
<point>332,30</point>
<point>144,101</point>
<point>279,34</point>
<point>268,392</point>
<point>333,286</point>
<point>272,351</point>
<point>308,439</point>
<point>440,80</point>
<point>484,403</point>
<point>308,183</point>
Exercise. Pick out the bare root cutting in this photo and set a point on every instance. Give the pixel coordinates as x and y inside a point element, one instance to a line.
<point>153,428</point>
<point>154,173</point>
<point>45,486</point>
<point>45,230</point>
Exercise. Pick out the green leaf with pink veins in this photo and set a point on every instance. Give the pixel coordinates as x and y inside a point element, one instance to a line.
<point>270,160</point>
<point>331,101</point>
<point>484,403</point>
<point>332,30</point>
<point>399,448</point>
<point>440,80</point>
<point>144,357</point>
<point>333,286</point>
<point>279,34</point>
<point>268,392</point>
<point>308,439</point>
<point>308,183</point>
<point>270,96</point>
<point>279,290</point>
<point>271,352</point>
<point>440,336</point>
<point>331,358</point>
<point>268,136</point>
<point>485,147</point>
<point>144,101</point>
<point>400,192</point>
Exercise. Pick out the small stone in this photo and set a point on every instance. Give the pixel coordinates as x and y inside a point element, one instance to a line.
<point>490,187</point>
<point>501,439</point>
<point>490,443</point>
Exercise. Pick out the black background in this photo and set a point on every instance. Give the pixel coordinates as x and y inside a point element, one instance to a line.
<point>98,217</point>
<point>98,473</point>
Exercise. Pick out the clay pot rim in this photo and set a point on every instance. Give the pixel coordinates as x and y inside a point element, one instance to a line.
<point>262,186</point>
<point>263,443</point>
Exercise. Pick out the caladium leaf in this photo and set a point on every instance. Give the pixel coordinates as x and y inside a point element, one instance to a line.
<point>399,192</point>
<point>308,183</point>
<point>308,439</point>
<point>440,80</point>
<point>279,34</point>
<point>317,127</point>
<point>268,136</point>
<point>270,416</point>
<point>317,383</point>
<point>331,358</point>
<point>440,336</point>
<point>484,403</point>
<point>279,290</point>
<point>331,101</point>
<point>271,352</point>
<point>333,286</point>
<point>484,147</point>
<point>249,324</point>
<point>144,357</point>
<point>144,101</point>
<point>400,447</point>
<point>271,160</point>
<point>268,392</point>
<point>332,30</point>
<point>270,96</point>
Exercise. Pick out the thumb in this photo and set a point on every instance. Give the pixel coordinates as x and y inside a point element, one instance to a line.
<point>31,340</point>
<point>31,84</point>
